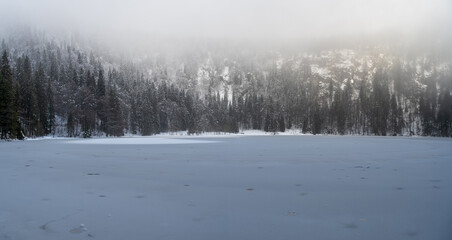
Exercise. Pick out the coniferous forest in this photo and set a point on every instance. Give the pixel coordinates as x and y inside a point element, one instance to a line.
<point>58,88</point>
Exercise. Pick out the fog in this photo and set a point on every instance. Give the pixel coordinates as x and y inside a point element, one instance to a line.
<point>237,20</point>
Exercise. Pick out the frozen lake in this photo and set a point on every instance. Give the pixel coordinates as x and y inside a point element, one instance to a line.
<point>261,187</point>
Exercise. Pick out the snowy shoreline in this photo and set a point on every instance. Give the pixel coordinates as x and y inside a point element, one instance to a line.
<point>243,133</point>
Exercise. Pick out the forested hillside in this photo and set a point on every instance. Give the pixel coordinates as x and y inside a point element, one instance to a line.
<point>53,87</point>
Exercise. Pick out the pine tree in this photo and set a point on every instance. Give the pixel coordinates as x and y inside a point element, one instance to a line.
<point>42,122</point>
<point>86,127</point>
<point>364,107</point>
<point>339,111</point>
<point>317,119</point>
<point>101,101</point>
<point>8,115</point>
<point>444,114</point>
<point>100,92</point>
<point>281,124</point>
<point>115,123</point>
<point>190,115</point>
<point>396,116</point>
<point>18,126</point>
<point>51,109</point>
<point>380,103</point>
<point>347,106</point>
<point>133,116</point>
<point>90,82</point>
<point>70,125</point>
<point>145,112</point>
<point>29,103</point>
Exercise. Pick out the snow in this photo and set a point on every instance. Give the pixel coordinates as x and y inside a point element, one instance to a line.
<point>137,141</point>
<point>250,187</point>
<point>241,133</point>
<point>279,63</point>
<point>322,72</point>
<point>261,133</point>
<point>225,74</point>
<point>345,59</point>
<point>47,138</point>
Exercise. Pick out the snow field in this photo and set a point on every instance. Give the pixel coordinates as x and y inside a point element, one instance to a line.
<point>251,187</point>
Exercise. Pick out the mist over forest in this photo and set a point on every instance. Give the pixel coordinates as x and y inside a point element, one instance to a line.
<point>95,68</point>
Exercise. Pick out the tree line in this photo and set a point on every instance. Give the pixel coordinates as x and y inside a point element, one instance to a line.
<point>57,89</point>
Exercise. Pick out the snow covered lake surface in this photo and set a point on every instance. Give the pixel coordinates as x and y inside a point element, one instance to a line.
<point>253,187</point>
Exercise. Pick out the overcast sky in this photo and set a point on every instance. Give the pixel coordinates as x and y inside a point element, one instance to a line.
<point>234,19</point>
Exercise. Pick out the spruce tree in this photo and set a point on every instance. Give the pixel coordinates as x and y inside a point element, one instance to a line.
<point>29,103</point>
<point>444,114</point>
<point>115,124</point>
<point>18,126</point>
<point>100,98</point>
<point>70,125</point>
<point>380,103</point>
<point>39,79</point>
<point>8,116</point>
<point>86,128</point>
<point>50,109</point>
<point>100,91</point>
<point>281,124</point>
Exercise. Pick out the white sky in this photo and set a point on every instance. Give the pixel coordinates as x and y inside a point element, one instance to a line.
<point>235,19</point>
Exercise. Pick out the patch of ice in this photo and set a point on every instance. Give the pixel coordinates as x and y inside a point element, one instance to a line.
<point>46,138</point>
<point>261,133</point>
<point>138,140</point>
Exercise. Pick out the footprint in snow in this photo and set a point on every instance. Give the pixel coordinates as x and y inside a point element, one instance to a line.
<point>351,225</point>
<point>75,230</point>
<point>79,229</point>
<point>436,180</point>
<point>291,213</point>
